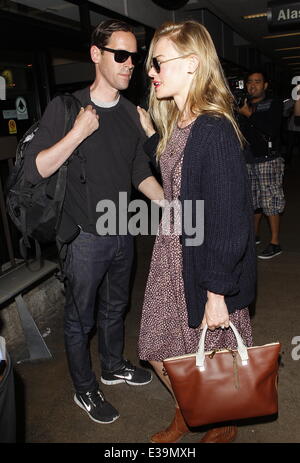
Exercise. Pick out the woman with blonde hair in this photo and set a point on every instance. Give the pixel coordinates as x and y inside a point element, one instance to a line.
<point>199,150</point>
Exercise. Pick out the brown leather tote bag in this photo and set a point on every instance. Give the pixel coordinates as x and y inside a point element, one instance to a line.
<point>225,385</point>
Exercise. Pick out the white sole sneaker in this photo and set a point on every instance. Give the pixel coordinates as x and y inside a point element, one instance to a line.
<point>119,381</point>
<point>270,257</point>
<point>92,418</point>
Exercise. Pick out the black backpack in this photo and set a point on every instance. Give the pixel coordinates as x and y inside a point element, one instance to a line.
<point>36,210</point>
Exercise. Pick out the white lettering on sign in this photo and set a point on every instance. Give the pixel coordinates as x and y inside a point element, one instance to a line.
<point>285,15</point>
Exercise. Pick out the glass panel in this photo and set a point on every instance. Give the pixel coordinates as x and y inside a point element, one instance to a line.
<point>18,108</point>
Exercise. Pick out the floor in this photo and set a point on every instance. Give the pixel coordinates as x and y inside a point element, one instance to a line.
<point>48,414</point>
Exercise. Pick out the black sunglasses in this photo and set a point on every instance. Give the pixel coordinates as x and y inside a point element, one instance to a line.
<point>156,64</point>
<point>122,55</point>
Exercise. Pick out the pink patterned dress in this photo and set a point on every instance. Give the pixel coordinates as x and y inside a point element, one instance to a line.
<point>164,330</point>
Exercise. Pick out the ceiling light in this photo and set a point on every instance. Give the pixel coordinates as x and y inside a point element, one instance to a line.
<point>255,16</point>
<point>287,49</point>
<point>281,35</point>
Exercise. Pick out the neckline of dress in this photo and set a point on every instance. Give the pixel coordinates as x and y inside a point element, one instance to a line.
<point>182,128</point>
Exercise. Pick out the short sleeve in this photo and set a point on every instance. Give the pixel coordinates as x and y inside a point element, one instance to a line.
<point>141,165</point>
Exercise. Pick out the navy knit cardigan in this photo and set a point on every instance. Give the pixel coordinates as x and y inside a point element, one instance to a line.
<point>214,170</point>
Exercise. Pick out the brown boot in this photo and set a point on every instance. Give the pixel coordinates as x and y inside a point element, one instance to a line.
<point>174,432</point>
<point>220,435</point>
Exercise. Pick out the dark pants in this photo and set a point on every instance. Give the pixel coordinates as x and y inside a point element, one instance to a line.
<point>293,141</point>
<point>98,275</point>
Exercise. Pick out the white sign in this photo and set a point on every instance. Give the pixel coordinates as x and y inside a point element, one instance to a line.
<point>21,108</point>
<point>2,88</point>
<point>9,114</point>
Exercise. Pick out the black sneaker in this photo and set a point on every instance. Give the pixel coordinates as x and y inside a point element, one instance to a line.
<point>257,239</point>
<point>127,374</point>
<point>96,406</point>
<point>271,250</point>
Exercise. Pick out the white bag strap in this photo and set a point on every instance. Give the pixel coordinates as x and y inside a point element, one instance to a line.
<point>242,349</point>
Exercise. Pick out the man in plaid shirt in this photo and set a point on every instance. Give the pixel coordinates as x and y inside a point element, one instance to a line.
<point>261,128</point>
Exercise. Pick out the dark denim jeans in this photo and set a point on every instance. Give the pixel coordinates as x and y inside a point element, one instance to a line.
<point>98,275</point>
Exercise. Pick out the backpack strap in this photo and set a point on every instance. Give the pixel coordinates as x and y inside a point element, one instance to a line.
<point>83,177</point>
<point>83,180</point>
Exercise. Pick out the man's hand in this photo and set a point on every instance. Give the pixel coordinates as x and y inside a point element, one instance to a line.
<point>216,314</point>
<point>146,122</point>
<point>245,110</point>
<point>86,122</point>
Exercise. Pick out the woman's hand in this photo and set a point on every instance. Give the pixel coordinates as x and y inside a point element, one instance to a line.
<point>146,121</point>
<point>216,314</point>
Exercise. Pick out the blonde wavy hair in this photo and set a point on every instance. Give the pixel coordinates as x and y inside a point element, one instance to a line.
<point>209,92</point>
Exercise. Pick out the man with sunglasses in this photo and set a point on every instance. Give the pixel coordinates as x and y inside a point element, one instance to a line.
<point>97,265</point>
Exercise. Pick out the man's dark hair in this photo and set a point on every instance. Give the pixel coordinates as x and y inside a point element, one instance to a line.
<point>258,71</point>
<point>104,30</point>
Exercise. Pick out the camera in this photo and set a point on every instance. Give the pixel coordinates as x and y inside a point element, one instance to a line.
<point>238,90</point>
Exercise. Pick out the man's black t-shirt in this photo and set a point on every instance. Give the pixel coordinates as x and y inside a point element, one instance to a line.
<point>114,158</point>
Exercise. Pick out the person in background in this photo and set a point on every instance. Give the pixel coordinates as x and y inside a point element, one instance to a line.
<point>198,146</point>
<point>264,162</point>
<point>293,130</point>
<point>297,107</point>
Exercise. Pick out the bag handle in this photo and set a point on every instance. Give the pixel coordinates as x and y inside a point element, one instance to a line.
<point>242,349</point>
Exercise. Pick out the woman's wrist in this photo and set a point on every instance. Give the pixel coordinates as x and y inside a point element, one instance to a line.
<point>150,132</point>
<point>214,296</point>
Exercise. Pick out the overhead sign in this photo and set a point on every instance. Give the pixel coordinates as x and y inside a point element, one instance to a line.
<point>284,15</point>
<point>21,108</point>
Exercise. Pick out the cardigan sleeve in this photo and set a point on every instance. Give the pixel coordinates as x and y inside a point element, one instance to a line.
<point>225,190</point>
